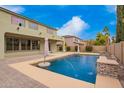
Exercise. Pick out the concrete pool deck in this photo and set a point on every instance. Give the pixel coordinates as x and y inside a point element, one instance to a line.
<point>55,80</point>
<point>107,82</point>
<point>48,78</point>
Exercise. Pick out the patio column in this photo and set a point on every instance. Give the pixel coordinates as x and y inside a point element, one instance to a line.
<point>64,46</point>
<point>31,45</point>
<point>46,47</point>
<point>2,47</point>
<point>78,50</point>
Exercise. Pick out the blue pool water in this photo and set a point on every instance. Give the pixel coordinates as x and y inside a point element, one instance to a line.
<point>82,67</point>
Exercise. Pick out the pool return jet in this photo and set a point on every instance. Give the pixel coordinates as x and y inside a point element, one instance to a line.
<point>45,54</point>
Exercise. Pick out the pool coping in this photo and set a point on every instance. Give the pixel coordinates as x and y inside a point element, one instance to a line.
<point>105,80</point>
<point>54,80</point>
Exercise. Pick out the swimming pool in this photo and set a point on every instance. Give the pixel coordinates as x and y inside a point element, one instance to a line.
<point>82,67</point>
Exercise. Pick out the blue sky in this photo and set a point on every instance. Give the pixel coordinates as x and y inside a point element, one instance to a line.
<point>83,21</point>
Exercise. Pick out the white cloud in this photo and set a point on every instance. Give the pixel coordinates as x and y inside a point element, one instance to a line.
<point>110,8</point>
<point>17,9</point>
<point>73,27</point>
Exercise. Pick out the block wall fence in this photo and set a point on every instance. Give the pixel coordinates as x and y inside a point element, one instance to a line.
<point>117,49</point>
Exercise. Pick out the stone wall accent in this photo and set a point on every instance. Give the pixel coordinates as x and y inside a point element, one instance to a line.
<point>108,67</point>
<point>107,70</point>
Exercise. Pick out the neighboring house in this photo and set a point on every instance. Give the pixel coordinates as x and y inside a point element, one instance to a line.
<point>83,45</point>
<point>21,36</point>
<point>74,43</point>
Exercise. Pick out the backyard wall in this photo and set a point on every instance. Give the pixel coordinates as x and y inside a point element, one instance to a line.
<point>117,49</point>
<point>97,49</point>
<point>82,48</point>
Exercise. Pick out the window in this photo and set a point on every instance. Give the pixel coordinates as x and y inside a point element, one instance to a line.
<point>16,44</point>
<point>23,44</point>
<point>17,21</point>
<point>9,44</point>
<point>33,26</point>
<point>50,31</point>
<point>77,40</point>
<point>35,45</point>
<point>28,45</point>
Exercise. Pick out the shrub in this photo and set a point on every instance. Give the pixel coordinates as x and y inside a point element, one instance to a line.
<point>60,48</point>
<point>89,48</point>
<point>68,48</point>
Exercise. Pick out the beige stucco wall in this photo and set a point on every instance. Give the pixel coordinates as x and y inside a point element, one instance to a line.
<point>1,45</point>
<point>69,42</point>
<point>99,48</point>
<point>72,48</point>
<point>7,27</point>
<point>117,49</point>
<point>53,46</point>
<point>22,53</point>
<point>82,48</point>
<point>95,48</point>
<point>42,42</point>
<point>112,47</point>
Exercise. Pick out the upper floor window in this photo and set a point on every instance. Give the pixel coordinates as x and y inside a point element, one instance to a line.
<point>17,20</point>
<point>50,31</point>
<point>33,26</point>
<point>77,40</point>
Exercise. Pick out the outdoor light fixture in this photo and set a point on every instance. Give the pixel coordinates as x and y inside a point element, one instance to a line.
<point>17,28</point>
<point>20,24</point>
<point>40,33</point>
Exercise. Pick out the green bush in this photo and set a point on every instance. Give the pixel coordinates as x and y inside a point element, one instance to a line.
<point>60,48</point>
<point>68,48</point>
<point>89,48</point>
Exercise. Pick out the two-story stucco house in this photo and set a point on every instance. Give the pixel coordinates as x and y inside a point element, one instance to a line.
<point>73,43</point>
<point>21,36</point>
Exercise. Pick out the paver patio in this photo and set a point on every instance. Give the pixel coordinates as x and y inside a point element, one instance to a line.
<point>11,78</point>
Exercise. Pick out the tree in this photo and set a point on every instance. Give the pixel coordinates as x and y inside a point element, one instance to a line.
<point>101,37</point>
<point>91,42</point>
<point>106,31</point>
<point>120,23</point>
